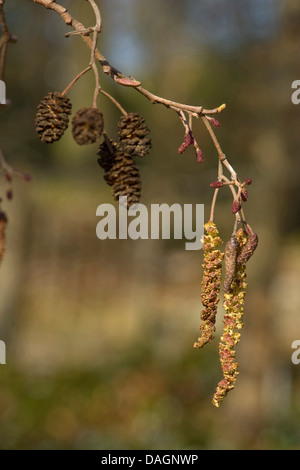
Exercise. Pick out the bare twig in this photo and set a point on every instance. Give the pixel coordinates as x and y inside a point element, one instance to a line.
<point>116,75</point>
<point>75,80</point>
<point>5,38</point>
<point>129,81</point>
<point>114,101</point>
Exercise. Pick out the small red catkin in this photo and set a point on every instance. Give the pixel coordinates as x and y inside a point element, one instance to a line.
<point>9,194</point>
<point>187,141</point>
<point>216,184</point>
<point>199,156</point>
<point>182,148</point>
<point>236,206</point>
<point>244,194</point>
<point>215,122</point>
<point>189,138</point>
<point>248,181</point>
<point>26,177</point>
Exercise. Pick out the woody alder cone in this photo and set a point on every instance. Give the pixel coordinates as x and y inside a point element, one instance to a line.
<point>107,155</point>
<point>133,132</point>
<point>52,116</point>
<point>124,177</point>
<point>87,126</point>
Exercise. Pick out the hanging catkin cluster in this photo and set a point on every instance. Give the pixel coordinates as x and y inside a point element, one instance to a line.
<point>117,159</point>
<point>238,251</point>
<point>234,299</point>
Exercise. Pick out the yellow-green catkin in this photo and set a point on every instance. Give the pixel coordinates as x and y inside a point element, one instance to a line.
<point>212,266</point>
<point>233,322</point>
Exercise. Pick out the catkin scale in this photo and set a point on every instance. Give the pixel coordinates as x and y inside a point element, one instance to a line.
<point>230,261</point>
<point>248,250</point>
<point>133,134</point>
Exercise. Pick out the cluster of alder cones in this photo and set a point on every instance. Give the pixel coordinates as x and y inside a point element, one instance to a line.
<point>116,159</point>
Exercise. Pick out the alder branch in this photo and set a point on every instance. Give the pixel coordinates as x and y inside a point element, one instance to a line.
<point>5,38</point>
<point>117,160</point>
<point>129,81</point>
<point>116,75</point>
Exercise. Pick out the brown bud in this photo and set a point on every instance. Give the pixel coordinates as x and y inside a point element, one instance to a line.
<point>230,261</point>
<point>126,81</point>
<point>199,155</point>
<point>215,122</point>
<point>189,138</point>
<point>236,206</point>
<point>248,181</point>
<point>182,148</point>
<point>244,194</point>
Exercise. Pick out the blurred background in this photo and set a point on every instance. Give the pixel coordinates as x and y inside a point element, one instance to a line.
<point>99,334</point>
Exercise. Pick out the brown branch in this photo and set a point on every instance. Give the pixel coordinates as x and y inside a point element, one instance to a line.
<point>75,79</point>
<point>116,75</point>
<point>114,101</point>
<point>120,78</point>
<point>5,38</point>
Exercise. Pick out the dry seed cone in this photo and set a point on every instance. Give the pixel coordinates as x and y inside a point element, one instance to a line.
<point>107,154</point>
<point>212,265</point>
<point>233,322</point>
<point>87,126</point>
<point>124,177</point>
<point>52,116</point>
<point>133,133</point>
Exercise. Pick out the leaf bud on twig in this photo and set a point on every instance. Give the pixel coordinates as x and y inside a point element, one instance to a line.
<point>199,156</point>
<point>236,206</point>
<point>215,122</point>
<point>244,194</point>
